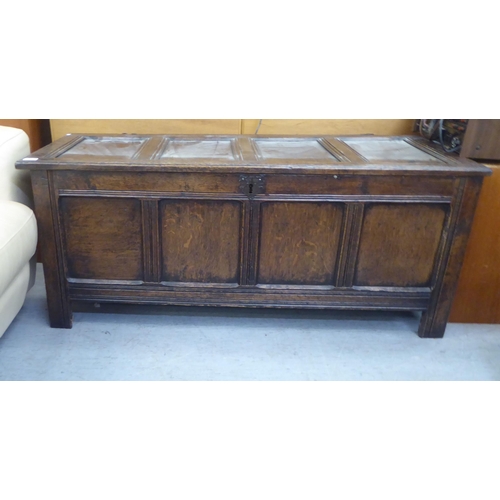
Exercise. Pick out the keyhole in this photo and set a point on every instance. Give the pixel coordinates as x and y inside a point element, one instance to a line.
<point>250,188</point>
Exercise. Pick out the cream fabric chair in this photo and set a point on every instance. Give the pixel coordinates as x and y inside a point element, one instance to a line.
<point>18,228</point>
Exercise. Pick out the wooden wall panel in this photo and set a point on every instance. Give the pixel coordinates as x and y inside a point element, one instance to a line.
<point>477,299</point>
<point>302,127</point>
<point>328,127</point>
<point>62,127</point>
<point>481,140</point>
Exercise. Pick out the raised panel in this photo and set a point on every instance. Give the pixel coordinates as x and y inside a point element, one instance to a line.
<point>103,238</point>
<point>399,244</point>
<point>215,149</point>
<point>298,149</point>
<point>388,149</point>
<point>299,243</point>
<point>200,241</point>
<point>110,147</point>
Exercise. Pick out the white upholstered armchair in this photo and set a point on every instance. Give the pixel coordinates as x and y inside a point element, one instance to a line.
<point>18,229</point>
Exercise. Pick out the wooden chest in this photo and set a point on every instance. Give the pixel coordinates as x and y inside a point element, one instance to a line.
<point>254,221</point>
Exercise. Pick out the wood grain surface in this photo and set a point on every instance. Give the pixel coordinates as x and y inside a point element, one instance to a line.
<point>103,238</point>
<point>61,127</point>
<point>299,243</point>
<point>398,244</point>
<point>125,222</point>
<point>327,127</point>
<point>200,241</point>
<point>482,140</point>
<point>477,299</point>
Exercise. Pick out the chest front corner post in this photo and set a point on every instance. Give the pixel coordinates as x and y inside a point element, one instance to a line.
<point>434,319</point>
<point>58,303</point>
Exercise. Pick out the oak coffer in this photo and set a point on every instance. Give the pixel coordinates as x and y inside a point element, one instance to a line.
<point>348,222</point>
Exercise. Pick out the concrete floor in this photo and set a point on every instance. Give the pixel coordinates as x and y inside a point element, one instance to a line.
<point>184,343</point>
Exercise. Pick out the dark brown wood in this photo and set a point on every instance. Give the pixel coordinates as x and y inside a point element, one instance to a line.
<point>299,243</point>
<point>53,157</point>
<point>57,288</point>
<point>153,183</point>
<point>256,297</point>
<point>435,317</point>
<point>332,222</point>
<point>481,140</point>
<point>102,238</point>
<point>407,233</point>
<point>360,185</point>
<point>351,242</point>
<point>200,241</point>
<point>151,241</point>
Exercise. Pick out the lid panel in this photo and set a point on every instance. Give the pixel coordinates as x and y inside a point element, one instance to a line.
<point>122,147</point>
<point>207,148</point>
<point>309,149</point>
<point>380,149</point>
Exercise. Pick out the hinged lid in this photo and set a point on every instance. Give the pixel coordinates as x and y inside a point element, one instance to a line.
<point>251,154</point>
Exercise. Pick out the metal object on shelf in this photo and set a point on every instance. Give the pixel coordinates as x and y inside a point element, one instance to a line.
<point>448,133</point>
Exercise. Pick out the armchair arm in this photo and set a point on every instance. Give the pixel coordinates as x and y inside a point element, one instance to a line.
<point>15,185</point>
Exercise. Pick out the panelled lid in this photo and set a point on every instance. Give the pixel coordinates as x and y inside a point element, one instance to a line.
<point>247,153</point>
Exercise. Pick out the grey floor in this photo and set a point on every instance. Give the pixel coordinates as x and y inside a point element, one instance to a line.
<point>184,343</point>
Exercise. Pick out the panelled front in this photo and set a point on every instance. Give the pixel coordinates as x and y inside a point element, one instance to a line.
<point>200,230</point>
